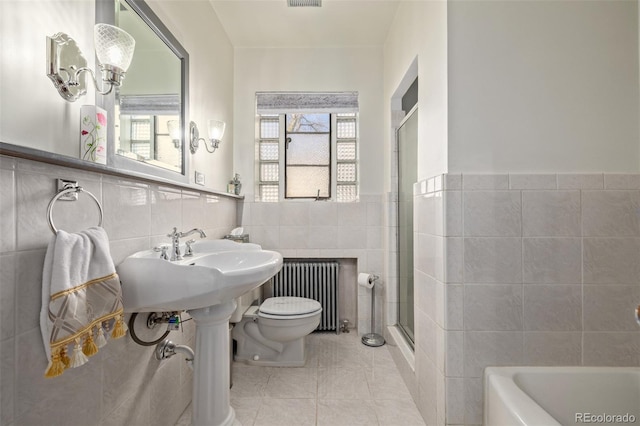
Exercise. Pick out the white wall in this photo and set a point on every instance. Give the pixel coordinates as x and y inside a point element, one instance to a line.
<point>32,113</point>
<point>420,30</point>
<point>543,86</point>
<point>326,69</point>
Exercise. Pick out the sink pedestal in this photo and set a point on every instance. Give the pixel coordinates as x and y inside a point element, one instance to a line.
<point>211,395</point>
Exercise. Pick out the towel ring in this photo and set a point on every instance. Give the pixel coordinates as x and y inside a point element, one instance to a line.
<point>77,189</point>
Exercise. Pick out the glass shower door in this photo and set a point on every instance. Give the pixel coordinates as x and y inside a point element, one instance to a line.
<point>407,139</point>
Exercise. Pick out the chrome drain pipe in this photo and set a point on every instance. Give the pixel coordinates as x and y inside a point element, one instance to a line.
<point>166,349</point>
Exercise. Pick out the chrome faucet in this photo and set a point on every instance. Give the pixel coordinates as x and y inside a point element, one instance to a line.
<point>175,241</point>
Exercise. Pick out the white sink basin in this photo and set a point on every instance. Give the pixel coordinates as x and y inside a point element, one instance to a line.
<point>218,271</point>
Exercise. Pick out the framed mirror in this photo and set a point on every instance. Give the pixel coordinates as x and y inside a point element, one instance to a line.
<point>149,110</point>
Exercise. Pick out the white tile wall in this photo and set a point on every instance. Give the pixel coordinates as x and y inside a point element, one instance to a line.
<point>611,213</point>
<point>581,181</point>
<point>621,181</point>
<point>539,269</point>
<point>431,224</point>
<point>551,213</point>
<point>492,213</point>
<point>551,260</point>
<point>123,383</point>
<point>552,348</point>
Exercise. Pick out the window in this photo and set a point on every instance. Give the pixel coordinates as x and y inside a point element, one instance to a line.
<point>316,152</point>
<point>140,136</point>
<point>307,157</point>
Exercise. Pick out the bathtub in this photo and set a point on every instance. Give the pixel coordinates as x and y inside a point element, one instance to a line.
<point>550,396</point>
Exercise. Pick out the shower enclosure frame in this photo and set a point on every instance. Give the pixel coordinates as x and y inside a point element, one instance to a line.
<point>409,335</point>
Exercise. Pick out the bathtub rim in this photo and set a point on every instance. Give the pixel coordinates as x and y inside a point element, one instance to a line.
<point>517,402</point>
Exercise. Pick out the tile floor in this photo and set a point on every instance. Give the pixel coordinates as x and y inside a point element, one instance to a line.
<point>343,383</point>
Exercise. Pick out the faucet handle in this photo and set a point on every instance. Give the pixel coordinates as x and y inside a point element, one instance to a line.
<point>173,233</point>
<point>163,249</point>
<point>189,250</point>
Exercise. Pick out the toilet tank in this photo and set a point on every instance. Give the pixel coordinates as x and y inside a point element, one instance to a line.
<point>244,302</point>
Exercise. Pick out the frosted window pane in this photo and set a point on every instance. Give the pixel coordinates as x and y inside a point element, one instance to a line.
<point>346,172</point>
<point>269,193</point>
<point>141,131</point>
<point>347,151</point>
<point>143,149</point>
<point>346,193</point>
<point>269,172</point>
<point>308,123</point>
<point>269,128</point>
<point>346,129</point>
<point>305,181</point>
<point>308,149</point>
<point>268,151</point>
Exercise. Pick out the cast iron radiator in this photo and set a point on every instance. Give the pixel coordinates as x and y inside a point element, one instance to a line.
<point>313,279</point>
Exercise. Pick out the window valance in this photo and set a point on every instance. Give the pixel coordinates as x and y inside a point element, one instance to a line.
<point>150,104</point>
<point>289,102</point>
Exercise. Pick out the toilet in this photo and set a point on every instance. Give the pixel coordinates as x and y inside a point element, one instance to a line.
<point>273,334</point>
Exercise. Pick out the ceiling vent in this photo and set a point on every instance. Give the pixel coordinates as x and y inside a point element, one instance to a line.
<point>304,3</point>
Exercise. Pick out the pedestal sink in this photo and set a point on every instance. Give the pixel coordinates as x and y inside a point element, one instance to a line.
<point>205,285</point>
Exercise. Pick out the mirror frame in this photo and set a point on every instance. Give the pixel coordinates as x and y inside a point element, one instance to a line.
<point>105,12</point>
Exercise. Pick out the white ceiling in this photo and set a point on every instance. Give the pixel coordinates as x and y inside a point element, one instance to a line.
<point>338,23</point>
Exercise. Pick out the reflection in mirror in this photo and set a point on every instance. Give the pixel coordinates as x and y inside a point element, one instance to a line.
<point>148,108</point>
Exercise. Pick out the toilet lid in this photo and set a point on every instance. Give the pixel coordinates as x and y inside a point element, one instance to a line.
<point>289,306</point>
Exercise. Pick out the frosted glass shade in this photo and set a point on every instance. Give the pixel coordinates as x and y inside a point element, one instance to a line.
<point>174,129</point>
<point>114,46</point>
<point>216,129</point>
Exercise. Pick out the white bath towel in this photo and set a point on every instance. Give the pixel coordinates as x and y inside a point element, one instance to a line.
<point>81,295</point>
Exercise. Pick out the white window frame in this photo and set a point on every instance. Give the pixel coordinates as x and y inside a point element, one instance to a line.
<point>335,118</point>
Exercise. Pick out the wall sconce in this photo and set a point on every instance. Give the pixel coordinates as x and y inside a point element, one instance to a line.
<point>66,65</point>
<point>216,131</point>
<point>174,132</point>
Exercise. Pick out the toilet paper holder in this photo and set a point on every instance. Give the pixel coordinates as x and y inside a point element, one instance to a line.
<point>372,338</point>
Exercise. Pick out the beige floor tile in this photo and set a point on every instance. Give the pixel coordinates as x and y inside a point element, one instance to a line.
<point>382,358</point>
<point>246,409</point>
<point>335,412</point>
<point>386,383</point>
<point>398,413</point>
<point>292,383</point>
<point>343,383</point>
<point>286,412</point>
<point>248,381</point>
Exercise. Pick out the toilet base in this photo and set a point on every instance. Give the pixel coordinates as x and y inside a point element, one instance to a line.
<point>254,349</point>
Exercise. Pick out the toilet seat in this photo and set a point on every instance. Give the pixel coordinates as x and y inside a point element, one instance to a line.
<point>286,307</point>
